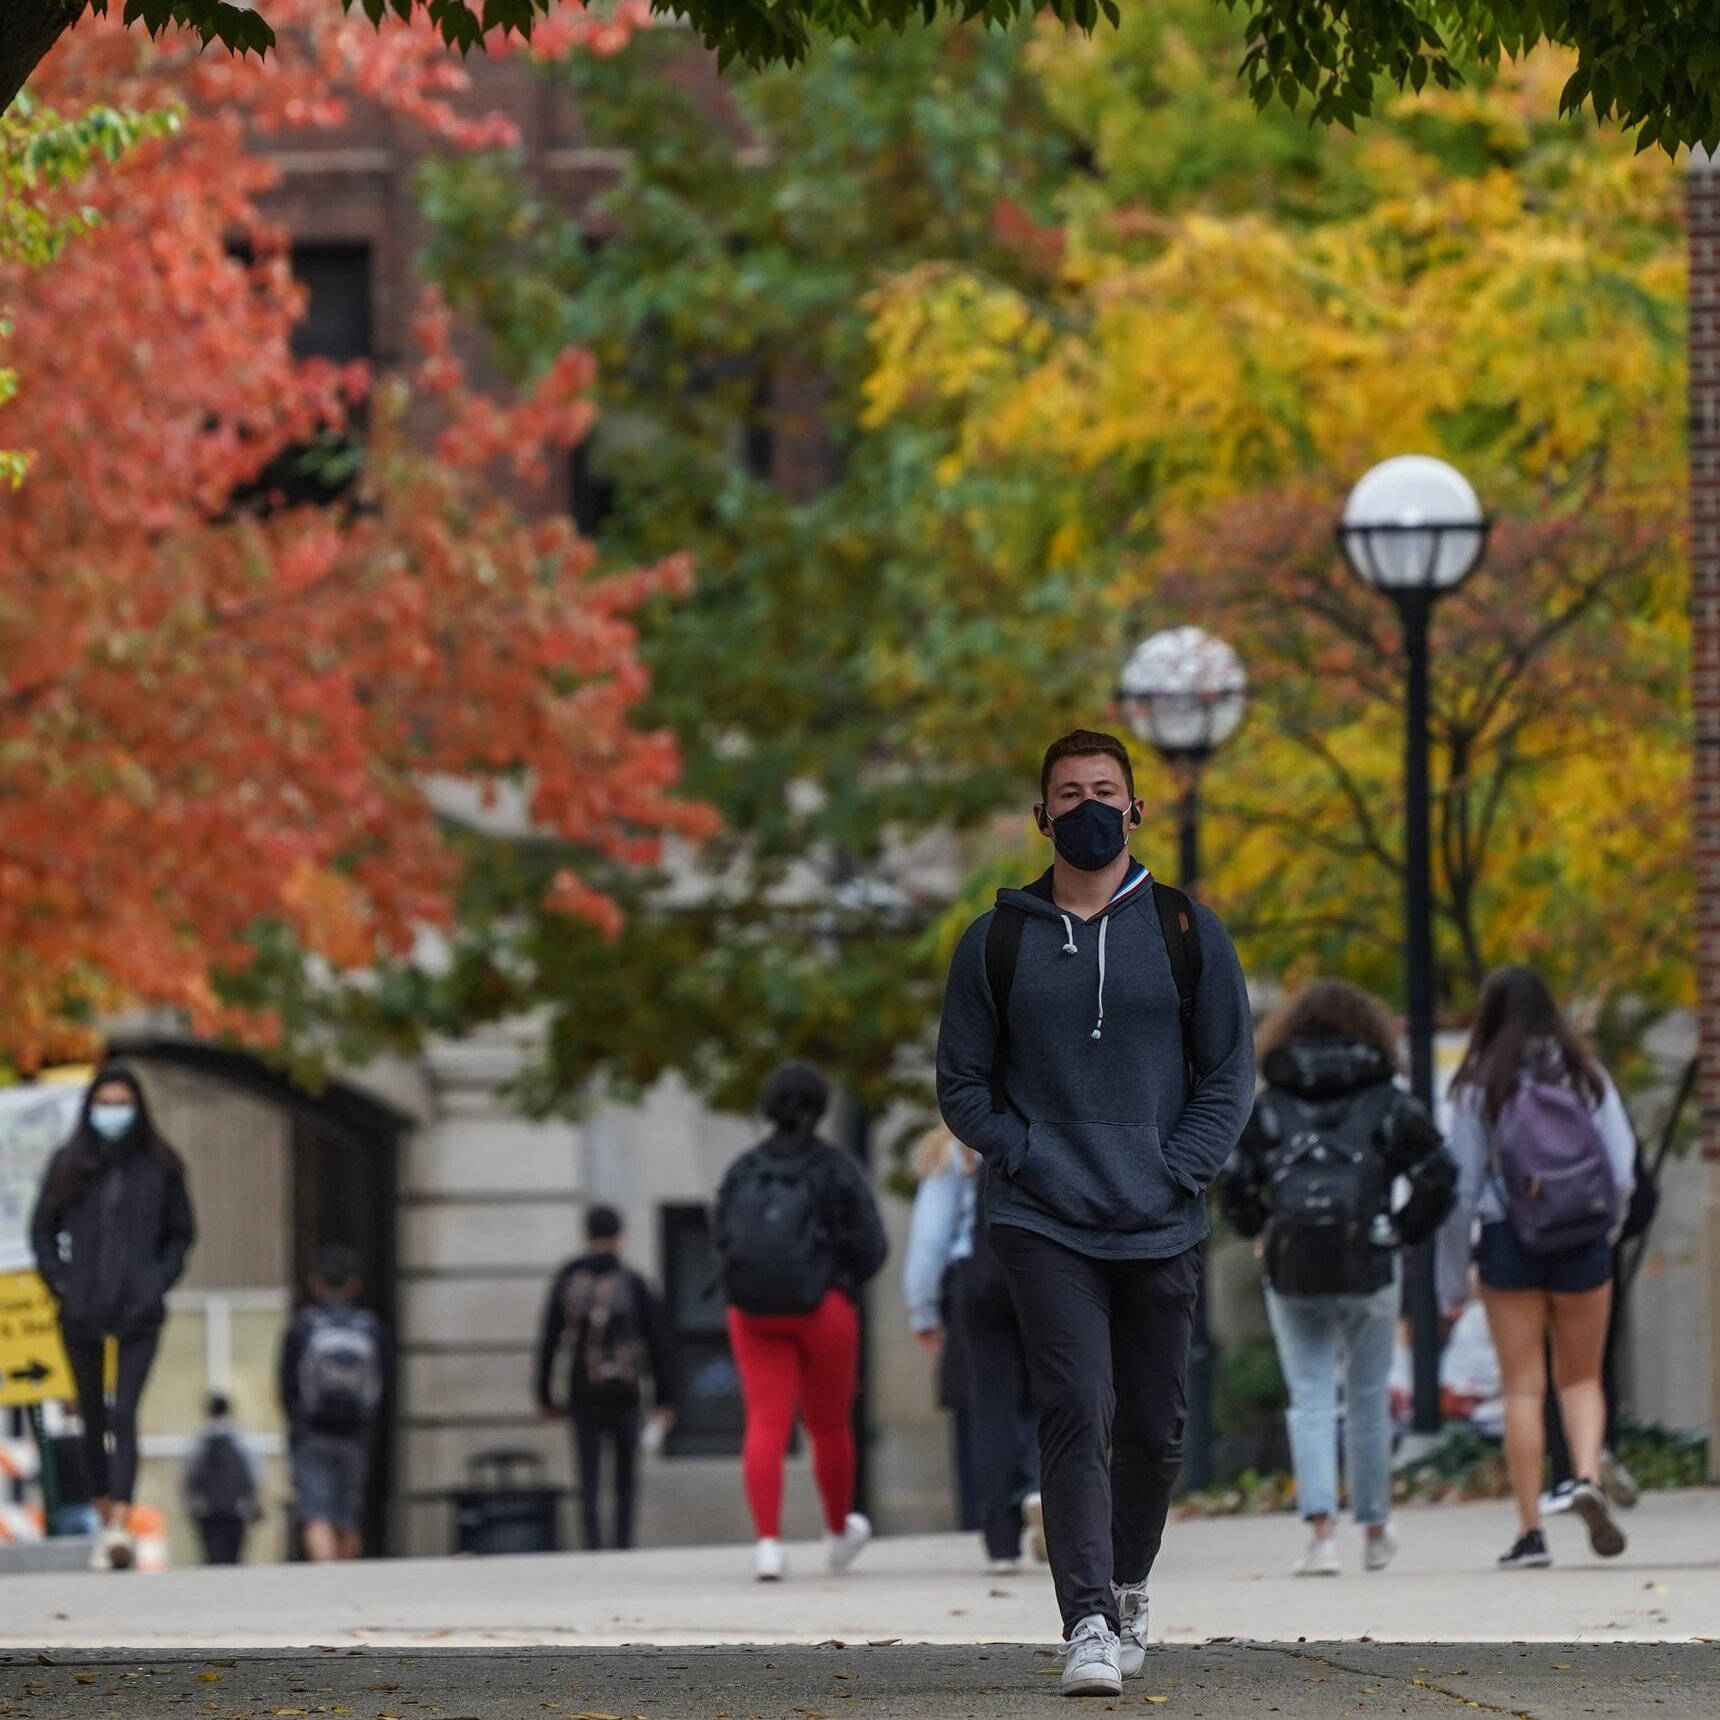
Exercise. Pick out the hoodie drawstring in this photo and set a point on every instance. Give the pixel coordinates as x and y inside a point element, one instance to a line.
<point>1071,948</point>
<point>1099,1026</point>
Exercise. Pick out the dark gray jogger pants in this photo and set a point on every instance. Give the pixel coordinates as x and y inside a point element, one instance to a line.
<point>1107,1359</point>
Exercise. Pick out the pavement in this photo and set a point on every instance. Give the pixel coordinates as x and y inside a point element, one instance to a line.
<point>1216,1579</point>
<point>915,1629</point>
<point>952,1682</point>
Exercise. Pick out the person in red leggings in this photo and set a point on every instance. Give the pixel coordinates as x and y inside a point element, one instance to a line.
<point>798,1234</point>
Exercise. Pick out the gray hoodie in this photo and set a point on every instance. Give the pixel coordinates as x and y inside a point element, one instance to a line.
<point>1101,1147</point>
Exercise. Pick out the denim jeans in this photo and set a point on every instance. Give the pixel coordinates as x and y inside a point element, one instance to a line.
<point>1313,1333</point>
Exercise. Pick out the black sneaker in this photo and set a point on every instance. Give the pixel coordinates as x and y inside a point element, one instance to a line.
<point>1605,1536</point>
<point>1529,1554</point>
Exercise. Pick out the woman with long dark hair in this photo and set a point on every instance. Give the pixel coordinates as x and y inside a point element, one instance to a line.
<point>798,1234</point>
<point>110,1232</point>
<point>1546,1161</point>
<point>1331,1143</point>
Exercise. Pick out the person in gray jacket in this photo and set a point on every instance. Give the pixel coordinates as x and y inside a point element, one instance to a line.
<point>1104,1069</point>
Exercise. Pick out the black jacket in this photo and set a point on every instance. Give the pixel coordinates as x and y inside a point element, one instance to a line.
<point>111,1230</point>
<point>554,1335</point>
<point>1333,1077</point>
<point>846,1204</point>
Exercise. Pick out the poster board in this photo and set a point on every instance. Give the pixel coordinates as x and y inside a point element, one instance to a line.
<point>34,1120</point>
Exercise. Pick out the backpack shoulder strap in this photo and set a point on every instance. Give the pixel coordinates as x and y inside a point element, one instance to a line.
<point>1002,948</point>
<point>1182,944</point>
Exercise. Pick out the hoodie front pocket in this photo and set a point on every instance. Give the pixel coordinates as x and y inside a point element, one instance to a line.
<point>1102,1176</point>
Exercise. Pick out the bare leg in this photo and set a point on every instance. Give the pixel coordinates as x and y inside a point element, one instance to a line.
<point>1518,1321</point>
<point>351,1542</point>
<point>322,1542</point>
<point>1579,1343</point>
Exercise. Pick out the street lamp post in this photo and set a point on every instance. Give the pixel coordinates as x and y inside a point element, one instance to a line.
<point>1184,693</point>
<point>1413,528</point>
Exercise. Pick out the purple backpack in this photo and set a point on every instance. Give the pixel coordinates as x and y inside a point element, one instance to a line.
<point>1553,1169</point>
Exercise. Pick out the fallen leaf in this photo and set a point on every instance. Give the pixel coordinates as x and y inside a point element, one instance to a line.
<point>210,1677</point>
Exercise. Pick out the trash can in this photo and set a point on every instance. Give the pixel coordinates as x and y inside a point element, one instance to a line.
<point>508,1505</point>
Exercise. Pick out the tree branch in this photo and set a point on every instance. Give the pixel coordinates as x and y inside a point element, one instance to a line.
<point>28,29</point>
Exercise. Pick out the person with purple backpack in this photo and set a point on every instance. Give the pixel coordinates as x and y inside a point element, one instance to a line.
<point>1546,1161</point>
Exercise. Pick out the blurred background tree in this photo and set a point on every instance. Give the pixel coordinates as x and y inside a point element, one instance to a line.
<point>958,362</point>
<point>220,710</point>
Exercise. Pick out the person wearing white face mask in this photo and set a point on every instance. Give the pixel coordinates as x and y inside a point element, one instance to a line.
<point>111,1230</point>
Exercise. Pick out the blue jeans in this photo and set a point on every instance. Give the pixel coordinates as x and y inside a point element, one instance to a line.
<point>1311,1333</point>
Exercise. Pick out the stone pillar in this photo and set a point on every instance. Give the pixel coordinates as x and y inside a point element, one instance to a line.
<point>1704,227</point>
<point>491,1204</point>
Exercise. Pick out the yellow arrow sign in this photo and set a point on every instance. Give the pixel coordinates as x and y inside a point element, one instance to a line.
<point>32,1361</point>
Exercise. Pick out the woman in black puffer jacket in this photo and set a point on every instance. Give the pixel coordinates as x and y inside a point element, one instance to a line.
<point>111,1229</point>
<point>1316,1174</point>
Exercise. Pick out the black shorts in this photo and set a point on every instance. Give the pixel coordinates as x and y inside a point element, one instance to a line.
<point>1505,1264</point>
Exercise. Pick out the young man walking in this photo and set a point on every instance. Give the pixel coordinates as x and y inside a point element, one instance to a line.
<point>1097,1050</point>
<point>333,1372</point>
<point>604,1311</point>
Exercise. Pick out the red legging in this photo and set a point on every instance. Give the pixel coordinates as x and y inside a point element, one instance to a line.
<point>811,1361</point>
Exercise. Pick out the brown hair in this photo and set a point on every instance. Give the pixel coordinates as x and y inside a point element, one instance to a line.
<point>1331,1009</point>
<point>1085,743</point>
<point>933,1157</point>
<point>1517,1018</point>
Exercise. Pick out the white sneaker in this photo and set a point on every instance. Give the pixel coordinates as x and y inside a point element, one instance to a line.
<point>1379,1550</point>
<point>1033,1520</point>
<point>1132,1614</point>
<point>1320,1558</point>
<point>1090,1660</point>
<point>1003,1567</point>
<point>767,1561</point>
<point>117,1549</point>
<point>842,1550</point>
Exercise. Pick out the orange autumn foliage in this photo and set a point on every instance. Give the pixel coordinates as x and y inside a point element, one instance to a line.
<point>215,717</point>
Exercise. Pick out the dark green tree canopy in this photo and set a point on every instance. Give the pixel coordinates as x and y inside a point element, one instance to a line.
<point>1652,66</point>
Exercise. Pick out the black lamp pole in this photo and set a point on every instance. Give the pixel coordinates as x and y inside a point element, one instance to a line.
<point>1415,608</point>
<point>1417,548</point>
<point>1184,693</point>
<point>1202,1358</point>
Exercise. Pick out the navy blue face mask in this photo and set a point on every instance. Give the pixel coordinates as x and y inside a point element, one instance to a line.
<point>1090,835</point>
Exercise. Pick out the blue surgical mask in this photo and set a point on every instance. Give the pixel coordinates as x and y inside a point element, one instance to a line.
<point>112,1121</point>
<point>1091,835</point>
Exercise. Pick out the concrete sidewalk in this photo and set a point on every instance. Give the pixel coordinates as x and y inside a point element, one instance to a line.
<point>971,1682</point>
<point>1217,1580</point>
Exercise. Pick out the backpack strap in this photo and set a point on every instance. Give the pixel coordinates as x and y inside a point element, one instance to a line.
<point>1002,948</point>
<point>1182,945</point>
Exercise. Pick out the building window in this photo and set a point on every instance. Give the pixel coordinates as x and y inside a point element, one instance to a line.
<point>591,492</point>
<point>710,1418</point>
<point>338,325</point>
<point>339,320</point>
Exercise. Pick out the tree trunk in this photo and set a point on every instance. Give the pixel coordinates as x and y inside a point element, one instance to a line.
<point>28,29</point>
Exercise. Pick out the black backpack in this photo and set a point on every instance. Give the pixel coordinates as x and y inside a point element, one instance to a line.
<point>219,1482</point>
<point>1327,1196</point>
<point>1003,948</point>
<point>777,1257</point>
<point>603,1315</point>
